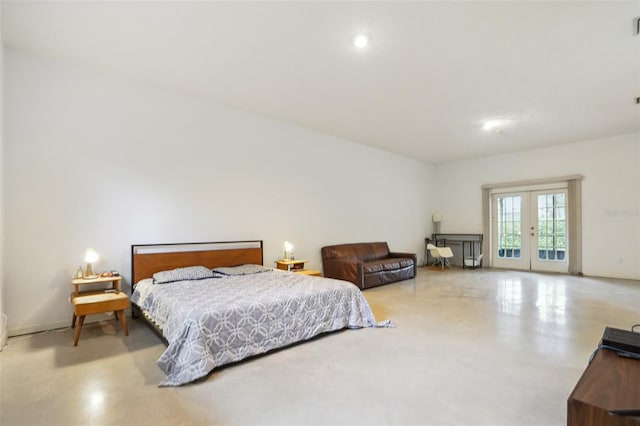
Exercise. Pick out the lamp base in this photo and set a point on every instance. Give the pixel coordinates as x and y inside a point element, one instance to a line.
<point>88,273</point>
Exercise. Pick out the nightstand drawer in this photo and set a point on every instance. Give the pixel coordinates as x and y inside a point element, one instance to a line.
<point>96,302</point>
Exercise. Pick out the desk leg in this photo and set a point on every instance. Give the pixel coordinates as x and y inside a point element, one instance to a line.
<point>464,246</point>
<point>473,255</point>
<point>78,330</point>
<point>426,251</point>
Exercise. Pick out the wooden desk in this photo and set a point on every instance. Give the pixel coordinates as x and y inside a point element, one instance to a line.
<point>472,240</point>
<point>609,383</point>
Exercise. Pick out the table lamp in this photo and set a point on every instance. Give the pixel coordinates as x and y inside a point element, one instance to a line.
<point>436,218</point>
<point>90,256</point>
<point>288,247</point>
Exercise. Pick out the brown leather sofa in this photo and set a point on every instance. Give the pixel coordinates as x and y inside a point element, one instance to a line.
<point>367,264</point>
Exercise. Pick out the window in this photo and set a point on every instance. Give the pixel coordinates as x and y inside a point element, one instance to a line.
<point>552,227</point>
<point>509,226</point>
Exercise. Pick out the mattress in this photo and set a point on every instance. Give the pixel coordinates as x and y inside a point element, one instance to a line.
<point>216,321</point>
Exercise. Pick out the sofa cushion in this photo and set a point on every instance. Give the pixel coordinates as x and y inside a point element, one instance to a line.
<point>405,261</point>
<point>391,264</point>
<point>372,251</point>
<point>385,277</point>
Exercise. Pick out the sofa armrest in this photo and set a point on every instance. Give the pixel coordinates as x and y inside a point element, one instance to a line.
<point>405,255</point>
<point>399,254</point>
<point>344,269</point>
<point>409,255</point>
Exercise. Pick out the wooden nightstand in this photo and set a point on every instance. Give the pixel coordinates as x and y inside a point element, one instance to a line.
<point>96,302</point>
<point>290,265</point>
<point>296,266</point>
<point>311,272</point>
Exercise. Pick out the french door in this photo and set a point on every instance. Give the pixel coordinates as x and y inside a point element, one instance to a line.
<point>529,230</point>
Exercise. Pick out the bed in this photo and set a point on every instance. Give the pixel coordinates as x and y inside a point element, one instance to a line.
<point>235,308</point>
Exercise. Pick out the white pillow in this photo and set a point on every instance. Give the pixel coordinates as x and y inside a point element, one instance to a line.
<point>242,269</point>
<point>182,274</point>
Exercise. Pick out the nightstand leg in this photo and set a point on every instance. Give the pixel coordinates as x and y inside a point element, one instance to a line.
<point>78,330</point>
<point>123,321</point>
<point>73,320</point>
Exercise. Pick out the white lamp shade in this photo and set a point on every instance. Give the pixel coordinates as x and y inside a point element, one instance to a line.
<point>288,246</point>
<point>436,217</point>
<point>90,255</point>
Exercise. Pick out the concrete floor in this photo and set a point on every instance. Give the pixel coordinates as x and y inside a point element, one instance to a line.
<point>470,348</point>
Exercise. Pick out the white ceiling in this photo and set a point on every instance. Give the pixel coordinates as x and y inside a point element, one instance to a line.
<point>434,71</point>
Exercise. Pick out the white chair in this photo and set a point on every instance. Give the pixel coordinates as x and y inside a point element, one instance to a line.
<point>440,254</point>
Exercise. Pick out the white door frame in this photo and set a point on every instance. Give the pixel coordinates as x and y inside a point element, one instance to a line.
<point>546,265</point>
<point>520,260</point>
<point>573,183</point>
<point>528,256</point>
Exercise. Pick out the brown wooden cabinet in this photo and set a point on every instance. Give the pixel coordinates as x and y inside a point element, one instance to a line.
<point>609,383</point>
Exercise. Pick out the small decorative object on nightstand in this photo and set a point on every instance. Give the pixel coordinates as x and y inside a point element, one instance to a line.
<point>96,302</point>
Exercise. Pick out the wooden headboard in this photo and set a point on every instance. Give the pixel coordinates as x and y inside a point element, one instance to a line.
<point>146,259</point>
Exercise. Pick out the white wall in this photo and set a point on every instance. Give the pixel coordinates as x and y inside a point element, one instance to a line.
<point>610,195</point>
<point>93,161</point>
<point>3,318</point>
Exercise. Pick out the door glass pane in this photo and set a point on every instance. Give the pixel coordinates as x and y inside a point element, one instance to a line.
<point>552,232</point>
<point>509,238</point>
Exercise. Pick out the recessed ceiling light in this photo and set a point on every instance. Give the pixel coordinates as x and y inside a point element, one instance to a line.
<point>361,41</point>
<point>495,125</point>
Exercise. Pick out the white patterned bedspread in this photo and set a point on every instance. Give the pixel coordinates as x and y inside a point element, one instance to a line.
<point>216,321</point>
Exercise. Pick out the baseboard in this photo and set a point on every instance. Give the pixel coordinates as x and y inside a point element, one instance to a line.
<point>3,331</point>
<point>37,328</point>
